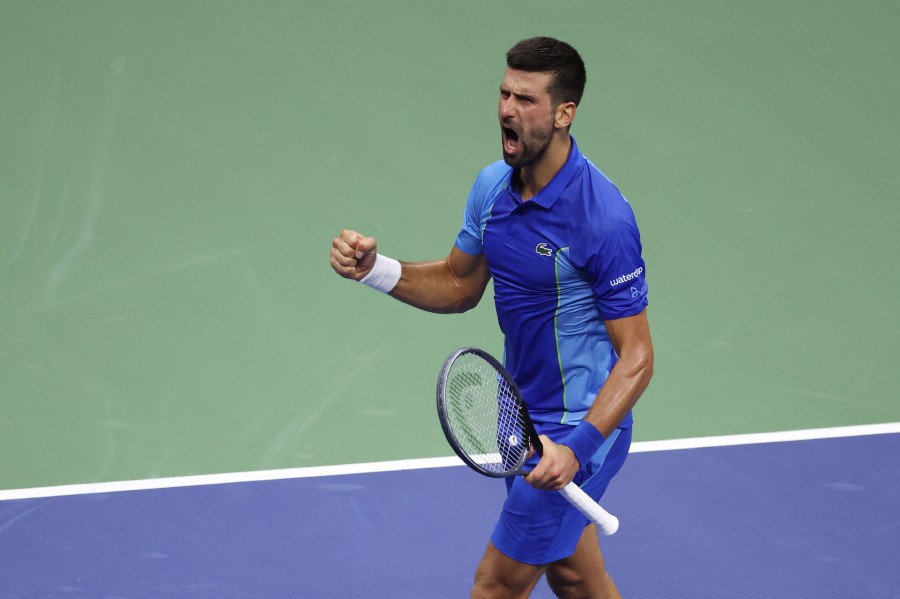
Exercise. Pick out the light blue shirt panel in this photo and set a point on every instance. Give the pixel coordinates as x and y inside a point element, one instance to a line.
<point>489,183</point>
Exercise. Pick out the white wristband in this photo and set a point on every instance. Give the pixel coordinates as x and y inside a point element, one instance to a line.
<point>384,276</point>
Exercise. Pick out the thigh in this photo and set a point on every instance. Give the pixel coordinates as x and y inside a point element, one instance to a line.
<point>583,574</point>
<point>501,577</point>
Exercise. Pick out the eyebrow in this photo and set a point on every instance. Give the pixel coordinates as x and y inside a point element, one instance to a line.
<point>521,96</point>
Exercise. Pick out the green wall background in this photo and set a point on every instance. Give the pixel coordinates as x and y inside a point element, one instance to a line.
<point>172,174</point>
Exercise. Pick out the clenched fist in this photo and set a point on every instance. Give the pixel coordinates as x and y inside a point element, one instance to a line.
<point>353,254</point>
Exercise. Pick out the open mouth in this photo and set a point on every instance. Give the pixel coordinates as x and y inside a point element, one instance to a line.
<point>510,140</point>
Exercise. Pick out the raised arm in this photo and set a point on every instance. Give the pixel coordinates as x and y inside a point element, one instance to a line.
<point>454,284</point>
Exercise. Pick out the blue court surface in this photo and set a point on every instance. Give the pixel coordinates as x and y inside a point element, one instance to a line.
<point>800,519</point>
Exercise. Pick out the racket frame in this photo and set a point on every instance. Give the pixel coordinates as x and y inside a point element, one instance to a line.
<point>529,430</point>
<point>606,523</point>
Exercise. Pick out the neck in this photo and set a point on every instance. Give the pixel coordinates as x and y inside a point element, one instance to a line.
<point>535,177</point>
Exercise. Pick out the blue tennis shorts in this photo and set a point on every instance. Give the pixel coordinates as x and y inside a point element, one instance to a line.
<point>541,527</point>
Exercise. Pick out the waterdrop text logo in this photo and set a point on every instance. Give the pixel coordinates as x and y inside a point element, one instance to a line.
<point>627,277</point>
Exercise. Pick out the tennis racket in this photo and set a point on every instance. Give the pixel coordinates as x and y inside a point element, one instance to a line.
<point>485,420</point>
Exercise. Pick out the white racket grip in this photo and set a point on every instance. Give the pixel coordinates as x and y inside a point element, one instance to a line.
<point>606,523</point>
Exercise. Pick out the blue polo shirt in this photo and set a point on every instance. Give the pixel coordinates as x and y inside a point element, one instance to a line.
<point>562,262</point>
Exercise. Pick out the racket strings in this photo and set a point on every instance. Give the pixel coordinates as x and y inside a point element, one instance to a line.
<point>484,415</point>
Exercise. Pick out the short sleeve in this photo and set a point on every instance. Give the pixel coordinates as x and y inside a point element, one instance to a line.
<point>617,268</point>
<point>478,207</point>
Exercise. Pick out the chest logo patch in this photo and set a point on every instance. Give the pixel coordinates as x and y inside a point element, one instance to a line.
<point>543,250</point>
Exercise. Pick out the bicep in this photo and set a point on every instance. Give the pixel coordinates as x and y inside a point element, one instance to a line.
<point>470,272</point>
<point>471,267</point>
<point>631,339</point>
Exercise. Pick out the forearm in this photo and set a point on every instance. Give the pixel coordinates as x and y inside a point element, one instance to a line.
<point>616,398</point>
<point>435,287</point>
<point>621,391</point>
<point>454,284</point>
<point>623,387</point>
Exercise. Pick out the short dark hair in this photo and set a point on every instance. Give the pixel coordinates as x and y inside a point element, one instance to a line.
<point>549,55</point>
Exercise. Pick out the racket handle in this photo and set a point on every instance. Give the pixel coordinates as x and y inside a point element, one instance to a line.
<point>606,523</point>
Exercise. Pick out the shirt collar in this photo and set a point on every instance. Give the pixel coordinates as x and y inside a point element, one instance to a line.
<point>560,181</point>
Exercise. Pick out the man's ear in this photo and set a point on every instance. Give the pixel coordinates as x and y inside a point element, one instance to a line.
<point>565,114</point>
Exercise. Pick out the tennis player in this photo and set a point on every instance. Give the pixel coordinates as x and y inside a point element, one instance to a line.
<point>563,248</point>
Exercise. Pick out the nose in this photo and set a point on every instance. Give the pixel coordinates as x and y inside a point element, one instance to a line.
<point>505,109</point>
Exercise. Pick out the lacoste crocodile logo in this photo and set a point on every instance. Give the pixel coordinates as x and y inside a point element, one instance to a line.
<point>543,250</point>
